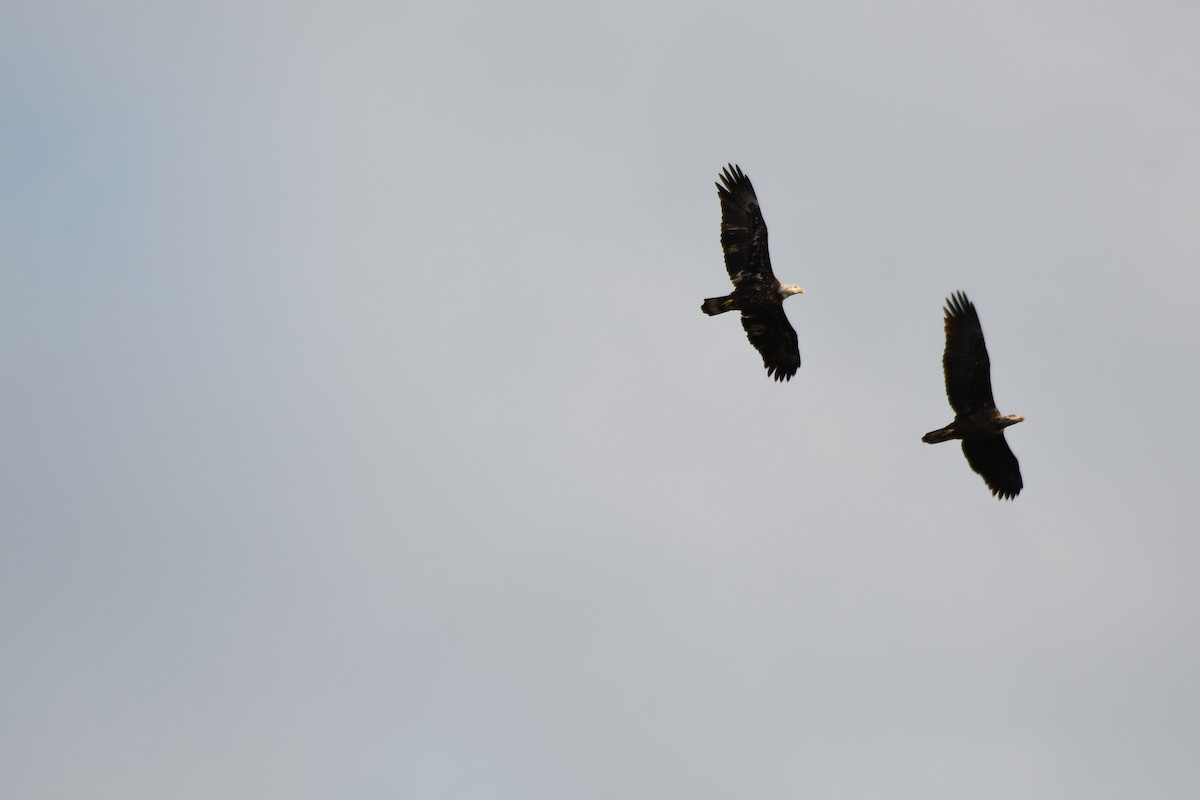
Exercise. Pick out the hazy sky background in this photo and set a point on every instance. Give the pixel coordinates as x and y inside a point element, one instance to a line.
<point>363,438</point>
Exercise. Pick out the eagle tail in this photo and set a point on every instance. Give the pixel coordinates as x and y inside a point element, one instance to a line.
<point>717,305</point>
<point>940,435</point>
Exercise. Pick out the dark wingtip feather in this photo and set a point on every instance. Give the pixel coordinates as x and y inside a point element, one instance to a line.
<point>731,177</point>
<point>781,373</point>
<point>957,305</point>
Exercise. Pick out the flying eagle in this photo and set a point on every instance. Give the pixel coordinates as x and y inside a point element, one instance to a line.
<point>969,387</point>
<point>756,292</point>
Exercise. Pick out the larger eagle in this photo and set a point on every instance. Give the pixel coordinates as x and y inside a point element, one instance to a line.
<point>756,291</point>
<point>969,387</point>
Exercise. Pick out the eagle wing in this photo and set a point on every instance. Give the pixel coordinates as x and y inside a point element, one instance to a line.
<point>991,457</point>
<point>965,362</point>
<point>768,329</point>
<point>743,230</point>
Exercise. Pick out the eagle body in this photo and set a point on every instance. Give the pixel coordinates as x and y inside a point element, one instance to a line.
<point>757,293</point>
<point>973,426</point>
<point>977,422</point>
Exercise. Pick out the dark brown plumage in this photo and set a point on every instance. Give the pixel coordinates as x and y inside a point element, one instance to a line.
<point>969,388</point>
<point>756,291</point>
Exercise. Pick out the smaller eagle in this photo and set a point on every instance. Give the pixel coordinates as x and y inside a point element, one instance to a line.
<point>969,387</point>
<point>756,292</point>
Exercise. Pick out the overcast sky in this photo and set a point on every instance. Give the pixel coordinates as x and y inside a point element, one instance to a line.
<point>362,436</point>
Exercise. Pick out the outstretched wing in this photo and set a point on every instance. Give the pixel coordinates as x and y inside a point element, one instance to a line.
<point>768,329</point>
<point>743,231</point>
<point>965,362</point>
<point>992,458</point>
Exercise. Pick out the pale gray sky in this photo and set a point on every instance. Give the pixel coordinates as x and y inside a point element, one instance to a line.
<point>363,438</point>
